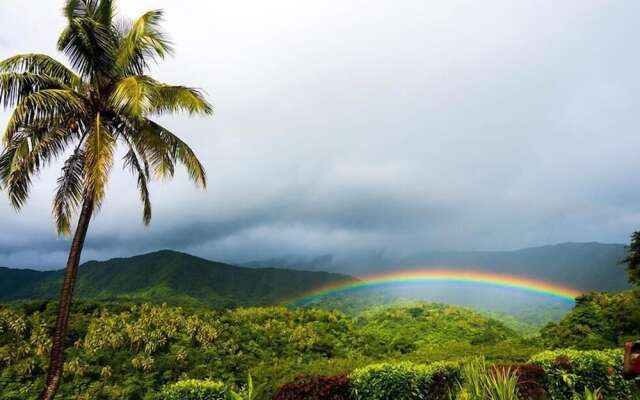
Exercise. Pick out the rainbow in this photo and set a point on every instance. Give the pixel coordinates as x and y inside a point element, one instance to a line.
<point>443,276</point>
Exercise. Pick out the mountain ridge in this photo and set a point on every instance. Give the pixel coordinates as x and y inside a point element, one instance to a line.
<point>171,277</point>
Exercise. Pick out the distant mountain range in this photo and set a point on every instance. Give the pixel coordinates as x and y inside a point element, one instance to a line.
<point>168,276</point>
<point>179,278</point>
<point>583,266</point>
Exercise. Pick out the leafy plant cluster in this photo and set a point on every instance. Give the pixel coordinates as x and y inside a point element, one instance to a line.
<point>569,373</point>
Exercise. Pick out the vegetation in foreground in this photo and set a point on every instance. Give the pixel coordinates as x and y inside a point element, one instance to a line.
<point>119,351</point>
<point>142,351</point>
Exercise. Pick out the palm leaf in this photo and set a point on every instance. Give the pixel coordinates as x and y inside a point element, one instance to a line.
<point>45,107</point>
<point>131,161</point>
<point>69,191</point>
<point>99,149</point>
<point>142,43</point>
<point>90,47</point>
<point>41,64</point>
<point>26,155</point>
<point>165,145</point>
<point>14,87</point>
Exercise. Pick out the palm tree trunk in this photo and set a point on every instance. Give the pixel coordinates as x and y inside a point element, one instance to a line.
<point>56,358</point>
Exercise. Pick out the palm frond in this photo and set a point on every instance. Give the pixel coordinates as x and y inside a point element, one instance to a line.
<point>90,47</point>
<point>41,64</point>
<point>132,162</point>
<point>14,87</point>
<point>167,145</point>
<point>134,95</point>
<point>69,191</point>
<point>104,12</point>
<point>180,98</point>
<point>141,95</point>
<point>45,107</point>
<point>143,43</point>
<point>28,154</point>
<point>99,148</point>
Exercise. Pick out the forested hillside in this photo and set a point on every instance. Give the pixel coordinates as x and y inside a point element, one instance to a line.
<point>168,277</point>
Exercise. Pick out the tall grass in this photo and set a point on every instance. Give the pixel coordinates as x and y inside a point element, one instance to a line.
<point>481,383</point>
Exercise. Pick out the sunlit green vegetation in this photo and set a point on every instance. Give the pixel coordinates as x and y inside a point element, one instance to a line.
<point>599,320</point>
<point>142,351</point>
<point>132,351</point>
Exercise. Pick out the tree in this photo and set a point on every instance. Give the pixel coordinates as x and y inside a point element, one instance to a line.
<point>633,259</point>
<point>84,113</point>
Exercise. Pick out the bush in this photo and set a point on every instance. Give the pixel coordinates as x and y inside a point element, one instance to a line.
<point>194,389</point>
<point>337,387</point>
<point>569,372</point>
<point>530,379</point>
<point>405,381</point>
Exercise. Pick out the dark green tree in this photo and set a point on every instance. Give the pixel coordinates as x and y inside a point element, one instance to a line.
<point>84,113</point>
<point>633,259</point>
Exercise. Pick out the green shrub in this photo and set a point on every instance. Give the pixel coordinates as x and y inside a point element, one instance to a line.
<point>405,381</point>
<point>571,372</point>
<point>194,389</point>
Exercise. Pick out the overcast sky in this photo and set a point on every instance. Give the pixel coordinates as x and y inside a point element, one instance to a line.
<point>368,127</point>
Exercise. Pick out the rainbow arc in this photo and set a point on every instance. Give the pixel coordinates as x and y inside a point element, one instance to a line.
<point>443,276</point>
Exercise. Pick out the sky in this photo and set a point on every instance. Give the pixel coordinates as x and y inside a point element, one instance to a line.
<point>357,128</point>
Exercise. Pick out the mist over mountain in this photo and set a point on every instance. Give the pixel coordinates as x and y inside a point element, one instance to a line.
<point>582,266</point>
<point>179,278</point>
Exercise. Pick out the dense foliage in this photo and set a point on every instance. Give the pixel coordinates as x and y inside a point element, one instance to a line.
<point>568,372</point>
<point>133,351</point>
<point>598,320</point>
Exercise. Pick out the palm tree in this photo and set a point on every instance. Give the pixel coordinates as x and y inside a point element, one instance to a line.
<point>84,115</point>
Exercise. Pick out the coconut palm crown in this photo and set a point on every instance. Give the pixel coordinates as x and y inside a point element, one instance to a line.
<point>108,101</point>
<point>83,113</point>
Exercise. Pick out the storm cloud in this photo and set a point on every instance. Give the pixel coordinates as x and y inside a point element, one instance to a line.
<point>372,127</point>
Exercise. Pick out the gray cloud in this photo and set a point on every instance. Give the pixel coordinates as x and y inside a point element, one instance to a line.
<point>354,128</point>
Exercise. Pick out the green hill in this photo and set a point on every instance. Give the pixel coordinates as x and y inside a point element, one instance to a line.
<point>168,276</point>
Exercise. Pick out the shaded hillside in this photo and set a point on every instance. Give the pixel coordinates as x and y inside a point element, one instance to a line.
<point>169,276</point>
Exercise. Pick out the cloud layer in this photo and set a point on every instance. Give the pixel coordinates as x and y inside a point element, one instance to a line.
<point>368,127</point>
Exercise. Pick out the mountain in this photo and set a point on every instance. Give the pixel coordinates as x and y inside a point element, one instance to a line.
<point>583,266</point>
<point>171,277</point>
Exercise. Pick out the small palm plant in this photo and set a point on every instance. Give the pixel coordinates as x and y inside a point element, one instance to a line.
<point>84,114</point>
